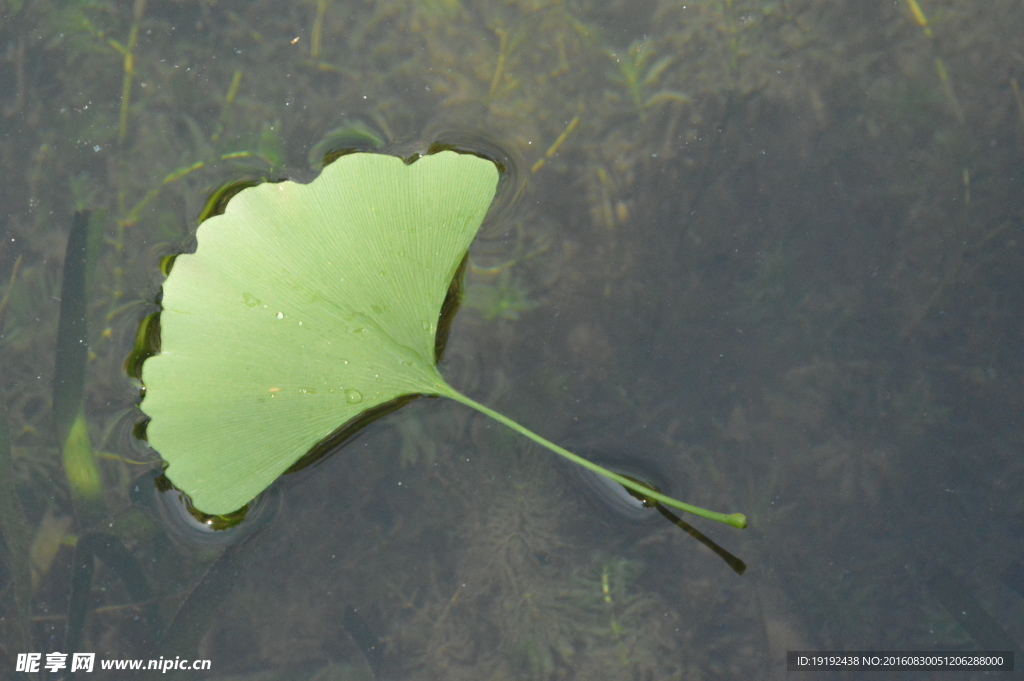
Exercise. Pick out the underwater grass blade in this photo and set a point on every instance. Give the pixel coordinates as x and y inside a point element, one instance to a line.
<point>72,332</point>
<point>112,552</point>
<point>304,307</point>
<point>69,372</point>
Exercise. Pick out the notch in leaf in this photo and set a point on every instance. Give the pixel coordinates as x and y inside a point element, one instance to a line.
<point>304,307</point>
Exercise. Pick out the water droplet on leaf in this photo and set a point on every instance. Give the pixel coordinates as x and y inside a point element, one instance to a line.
<point>353,396</point>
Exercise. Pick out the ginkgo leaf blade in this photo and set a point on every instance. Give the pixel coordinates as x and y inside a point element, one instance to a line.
<point>302,307</point>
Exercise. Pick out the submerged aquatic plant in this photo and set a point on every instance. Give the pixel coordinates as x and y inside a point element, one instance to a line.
<point>638,80</point>
<point>505,298</point>
<point>309,307</point>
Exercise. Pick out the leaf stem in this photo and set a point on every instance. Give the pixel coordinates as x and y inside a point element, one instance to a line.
<point>735,519</point>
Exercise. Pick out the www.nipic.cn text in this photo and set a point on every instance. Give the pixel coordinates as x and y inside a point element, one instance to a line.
<point>85,662</point>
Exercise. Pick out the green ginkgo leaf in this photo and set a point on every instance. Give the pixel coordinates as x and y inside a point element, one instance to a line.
<point>304,307</point>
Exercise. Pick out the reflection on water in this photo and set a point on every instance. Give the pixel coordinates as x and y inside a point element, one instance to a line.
<point>774,252</point>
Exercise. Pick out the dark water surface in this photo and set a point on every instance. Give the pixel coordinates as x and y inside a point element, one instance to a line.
<point>770,250</point>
